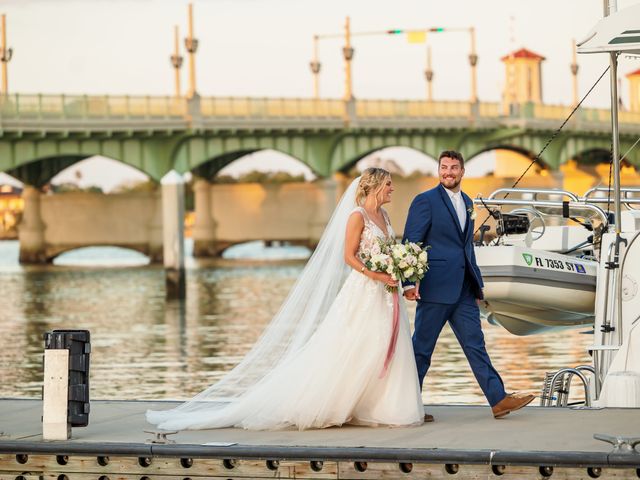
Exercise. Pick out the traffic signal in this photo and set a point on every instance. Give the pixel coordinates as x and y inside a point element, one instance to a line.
<point>397,31</point>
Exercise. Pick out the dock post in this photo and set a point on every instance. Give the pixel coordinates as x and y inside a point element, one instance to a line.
<point>65,393</point>
<point>55,392</point>
<point>173,234</point>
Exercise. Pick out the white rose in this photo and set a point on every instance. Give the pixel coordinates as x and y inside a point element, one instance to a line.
<point>422,257</point>
<point>403,264</point>
<point>408,272</point>
<point>389,269</point>
<point>420,271</point>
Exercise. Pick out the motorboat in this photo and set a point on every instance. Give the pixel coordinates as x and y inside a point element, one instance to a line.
<point>538,277</point>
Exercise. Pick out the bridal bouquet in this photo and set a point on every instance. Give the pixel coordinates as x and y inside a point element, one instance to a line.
<point>405,262</point>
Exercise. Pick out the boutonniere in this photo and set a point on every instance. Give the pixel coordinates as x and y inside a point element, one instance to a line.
<point>472,213</point>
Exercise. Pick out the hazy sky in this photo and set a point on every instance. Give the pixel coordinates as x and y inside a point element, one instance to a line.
<point>263,47</point>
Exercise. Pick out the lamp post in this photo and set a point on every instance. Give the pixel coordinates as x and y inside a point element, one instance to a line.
<point>574,72</point>
<point>315,68</point>
<point>176,60</point>
<point>5,56</point>
<point>347,52</point>
<point>473,61</point>
<point>428,74</point>
<point>191,45</point>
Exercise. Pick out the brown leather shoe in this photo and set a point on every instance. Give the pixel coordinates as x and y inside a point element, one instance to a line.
<point>511,403</point>
<point>428,418</point>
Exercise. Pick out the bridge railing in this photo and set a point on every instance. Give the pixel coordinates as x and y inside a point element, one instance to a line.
<point>411,108</point>
<point>596,115</point>
<point>270,107</point>
<point>85,106</point>
<point>156,108</point>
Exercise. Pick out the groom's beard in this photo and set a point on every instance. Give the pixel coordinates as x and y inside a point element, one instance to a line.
<point>450,182</point>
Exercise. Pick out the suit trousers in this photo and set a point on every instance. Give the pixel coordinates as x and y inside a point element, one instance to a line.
<point>464,318</point>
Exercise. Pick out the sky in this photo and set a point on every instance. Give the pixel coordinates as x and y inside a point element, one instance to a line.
<point>263,47</point>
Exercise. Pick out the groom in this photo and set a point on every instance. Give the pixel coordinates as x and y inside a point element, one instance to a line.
<point>441,219</point>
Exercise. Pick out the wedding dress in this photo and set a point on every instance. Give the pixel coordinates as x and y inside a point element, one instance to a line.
<point>330,372</point>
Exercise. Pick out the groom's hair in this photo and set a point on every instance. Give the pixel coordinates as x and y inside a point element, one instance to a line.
<point>451,154</point>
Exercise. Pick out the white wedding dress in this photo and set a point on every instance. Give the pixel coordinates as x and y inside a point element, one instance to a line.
<point>335,377</point>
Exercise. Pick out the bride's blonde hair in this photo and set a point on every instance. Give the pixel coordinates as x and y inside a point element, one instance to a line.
<point>372,180</point>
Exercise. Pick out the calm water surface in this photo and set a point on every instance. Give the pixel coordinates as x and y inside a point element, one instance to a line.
<point>147,348</point>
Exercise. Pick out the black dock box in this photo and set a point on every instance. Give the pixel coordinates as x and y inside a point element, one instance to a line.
<point>79,346</point>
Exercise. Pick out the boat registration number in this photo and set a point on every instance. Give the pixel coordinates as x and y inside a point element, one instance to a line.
<point>553,264</point>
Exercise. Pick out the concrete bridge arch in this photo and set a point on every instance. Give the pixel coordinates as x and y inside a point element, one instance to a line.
<point>352,147</point>
<point>39,172</point>
<point>581,147</point>
<point>206,155</point>
<point>37,160</point>
<point>54,252</point>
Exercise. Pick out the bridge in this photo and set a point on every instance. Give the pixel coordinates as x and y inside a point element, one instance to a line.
<point>41,135</point>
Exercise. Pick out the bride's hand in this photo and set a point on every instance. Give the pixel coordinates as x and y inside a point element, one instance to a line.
<point>385,278</point>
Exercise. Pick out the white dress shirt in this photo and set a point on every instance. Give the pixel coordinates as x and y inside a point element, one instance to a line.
<point>458,206</point>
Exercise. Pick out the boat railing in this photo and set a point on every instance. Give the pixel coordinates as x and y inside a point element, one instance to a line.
<point>626,200</point>
<point>571,205</point>
<point>589,197</point>
<point>535,192</point>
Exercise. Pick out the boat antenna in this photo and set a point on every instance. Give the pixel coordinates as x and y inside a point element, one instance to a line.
<point>551,139</point>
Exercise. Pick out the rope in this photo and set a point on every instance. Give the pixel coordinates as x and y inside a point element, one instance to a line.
<point>551,139</point>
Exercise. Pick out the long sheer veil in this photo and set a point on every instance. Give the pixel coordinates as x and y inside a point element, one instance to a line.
<point>298,318</point>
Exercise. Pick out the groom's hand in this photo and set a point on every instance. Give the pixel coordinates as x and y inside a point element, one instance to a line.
<point>412,294</point>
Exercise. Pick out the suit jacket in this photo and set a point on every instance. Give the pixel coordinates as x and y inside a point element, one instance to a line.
<point>433,221</point>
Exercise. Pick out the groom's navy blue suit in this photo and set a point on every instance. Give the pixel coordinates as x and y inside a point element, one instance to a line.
<point>450,287</point>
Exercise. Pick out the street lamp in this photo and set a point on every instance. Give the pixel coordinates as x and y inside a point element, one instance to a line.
<point>574,72</point>
<point>176,60</point>
<point>5,56</point>
<point>315,68</point>
<point>191,44</point>
<point>347,52</point>
<point>473,61</point>
<point>428,74</point>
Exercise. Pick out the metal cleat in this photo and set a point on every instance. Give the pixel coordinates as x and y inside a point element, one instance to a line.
<point>160,437</point>
<point>626,445</point>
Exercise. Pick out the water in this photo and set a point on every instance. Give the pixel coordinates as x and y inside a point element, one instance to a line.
<point>146,348</point>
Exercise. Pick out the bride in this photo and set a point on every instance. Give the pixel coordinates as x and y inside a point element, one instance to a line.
<point>327,357</point>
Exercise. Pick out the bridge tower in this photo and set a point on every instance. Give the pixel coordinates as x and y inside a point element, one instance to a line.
<point>523,82</point>
<point>634,90</point>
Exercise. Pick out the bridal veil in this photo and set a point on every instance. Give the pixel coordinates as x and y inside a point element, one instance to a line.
<point>297,319</point>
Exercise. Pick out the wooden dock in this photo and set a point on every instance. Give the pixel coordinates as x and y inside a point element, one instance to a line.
<point>463,442</point>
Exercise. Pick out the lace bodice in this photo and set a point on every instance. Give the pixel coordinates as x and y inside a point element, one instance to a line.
<point>372,232</point>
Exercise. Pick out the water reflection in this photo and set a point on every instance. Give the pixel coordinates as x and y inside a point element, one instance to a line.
<point>147,348</point>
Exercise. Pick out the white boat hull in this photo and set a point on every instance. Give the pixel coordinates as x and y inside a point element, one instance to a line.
<point>530,291</point>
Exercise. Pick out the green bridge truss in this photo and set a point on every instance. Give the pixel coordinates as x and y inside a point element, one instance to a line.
<point>42,135</point>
